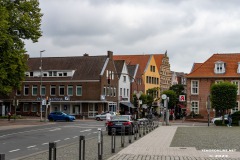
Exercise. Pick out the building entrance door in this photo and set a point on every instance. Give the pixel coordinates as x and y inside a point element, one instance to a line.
<point>92,110</point>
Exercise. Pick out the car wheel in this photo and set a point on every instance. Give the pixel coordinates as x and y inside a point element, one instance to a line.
<point>98,119</point>
<point>67,120</point>
<point>50,119</point>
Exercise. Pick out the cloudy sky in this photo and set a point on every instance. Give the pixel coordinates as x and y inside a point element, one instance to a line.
<point>190,30</point>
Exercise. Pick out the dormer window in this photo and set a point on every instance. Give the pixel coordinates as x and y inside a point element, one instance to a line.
<point>219,67</point>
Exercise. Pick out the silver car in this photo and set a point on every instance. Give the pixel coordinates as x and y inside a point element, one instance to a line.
<point>102,116</point>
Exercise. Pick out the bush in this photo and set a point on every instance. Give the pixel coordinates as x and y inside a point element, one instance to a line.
<point>219,122</point>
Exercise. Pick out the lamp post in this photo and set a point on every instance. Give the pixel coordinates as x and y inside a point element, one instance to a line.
<point>208,108</point>
<point>41,84</point>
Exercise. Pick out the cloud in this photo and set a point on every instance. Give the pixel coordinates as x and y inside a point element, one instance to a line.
<point>191,31</point>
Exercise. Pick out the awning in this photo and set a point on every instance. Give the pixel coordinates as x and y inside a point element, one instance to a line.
<point>129,104</point>
<point>181,106</point>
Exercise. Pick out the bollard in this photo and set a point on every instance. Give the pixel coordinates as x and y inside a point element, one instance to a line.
<point>82,148</point>
<point>135,132</point>
<point>52,151</point>
<point>113,139</point>
<point>143,129</point>
<point>2,156</point>
<point>83,118</point>
<point>122,136</point>
<point>146,128</point>
<point>139,131</point>
<point>130,134</point>
<point>100,144</point>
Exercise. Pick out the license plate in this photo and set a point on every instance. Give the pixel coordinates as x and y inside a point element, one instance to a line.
<point>118,124</point>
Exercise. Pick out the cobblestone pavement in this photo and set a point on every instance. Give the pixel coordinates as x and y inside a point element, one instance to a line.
<point>181,143</point>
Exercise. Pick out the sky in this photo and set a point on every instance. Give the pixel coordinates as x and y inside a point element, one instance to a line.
<point>189,30</point>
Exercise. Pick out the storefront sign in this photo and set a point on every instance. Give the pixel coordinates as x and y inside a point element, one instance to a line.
<point>54,99</point>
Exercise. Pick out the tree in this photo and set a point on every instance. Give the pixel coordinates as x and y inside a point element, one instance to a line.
<point>19,20</point>
<point>223,96</point>
<point>178,89</point>
<point>172,98</point>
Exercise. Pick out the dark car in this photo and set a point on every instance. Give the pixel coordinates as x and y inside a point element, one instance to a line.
<point>121,120</point>
<point>60,116</point>
<point>236,118</point>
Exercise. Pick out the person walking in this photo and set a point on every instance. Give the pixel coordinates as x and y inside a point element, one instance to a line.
<point>108,117</point>
<point>229,120</point>
<point>184,114</point>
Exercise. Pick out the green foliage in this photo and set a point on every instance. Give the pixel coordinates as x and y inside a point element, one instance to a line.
<point>178,89</point>
<point>172,98</point>
<point>19,20</point>
<point>223,96</point>
<point>219,122</point>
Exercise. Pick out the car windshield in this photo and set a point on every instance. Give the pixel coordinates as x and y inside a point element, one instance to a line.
<point>121,117</point>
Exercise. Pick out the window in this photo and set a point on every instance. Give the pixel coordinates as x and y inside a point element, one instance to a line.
<point>114,94</point>
<point>147,79</point>
<point>194,107</point>
<point>104,91</point>
<point>34,107</point>
<point>43,91</point>
<point>18,93</point>
<point>26,90</point>
<point>120,91</point>
<point>70,90</point>
<point>237,84</point>
<point>34,90</point>
<point>194,87</point>
<point>53,90</point>
<point>61,90</point>
<point>124,92</point>
<point>152,68</point>
<point>26,107</point>
<point>127,92</point>
<point>79,90</point>
<point>60,74</point>
<point>219,67</point>
<point>218,81</point>
<point>235,109</point>
<point>124,78</point>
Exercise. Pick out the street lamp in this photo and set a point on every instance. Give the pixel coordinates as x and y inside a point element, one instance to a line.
<point>41,84</point>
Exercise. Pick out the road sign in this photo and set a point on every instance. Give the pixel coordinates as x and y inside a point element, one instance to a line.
<point>182,98</point>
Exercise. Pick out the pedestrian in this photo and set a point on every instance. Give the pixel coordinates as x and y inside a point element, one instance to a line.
<point>229,120</point>
<point>184,116</point>
<point>9,116</point>
<point>108,117</point>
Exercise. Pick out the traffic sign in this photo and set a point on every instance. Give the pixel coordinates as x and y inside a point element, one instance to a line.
<point>182,98</point>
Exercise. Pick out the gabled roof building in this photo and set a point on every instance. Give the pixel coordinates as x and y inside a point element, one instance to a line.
<point>219,67</point>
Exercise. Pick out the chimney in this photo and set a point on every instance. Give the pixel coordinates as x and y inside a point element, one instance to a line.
<point>110,54</point>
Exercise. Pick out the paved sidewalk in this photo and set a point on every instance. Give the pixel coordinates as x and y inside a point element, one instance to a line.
<point>156,145</point>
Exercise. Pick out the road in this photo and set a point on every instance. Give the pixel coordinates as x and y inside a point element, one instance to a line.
<point>20,142</point>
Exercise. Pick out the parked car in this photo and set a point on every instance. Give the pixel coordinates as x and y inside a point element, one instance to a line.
<point>102,116</point>
<point>219,118</point>
<point>236,118</point>
<point>142,121</point>
<point>60,116</point>
<point>121,120</point>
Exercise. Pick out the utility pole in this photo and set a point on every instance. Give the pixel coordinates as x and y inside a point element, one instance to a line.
<point>41,85</point>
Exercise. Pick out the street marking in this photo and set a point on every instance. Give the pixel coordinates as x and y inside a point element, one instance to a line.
<point>57,141</point>
<point>26,132</point>
<point>45,143</point>
<point>86,130</point>
<point>31,146</point>
<point>14,150</point>
<point>56,129</point>
<point>75,136</point>
<point>95,132</point>
<point>89,133</point>
<point>66,139</point>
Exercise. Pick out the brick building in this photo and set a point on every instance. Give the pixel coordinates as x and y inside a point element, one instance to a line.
<point>219,67</point>
<point>82,85</point>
